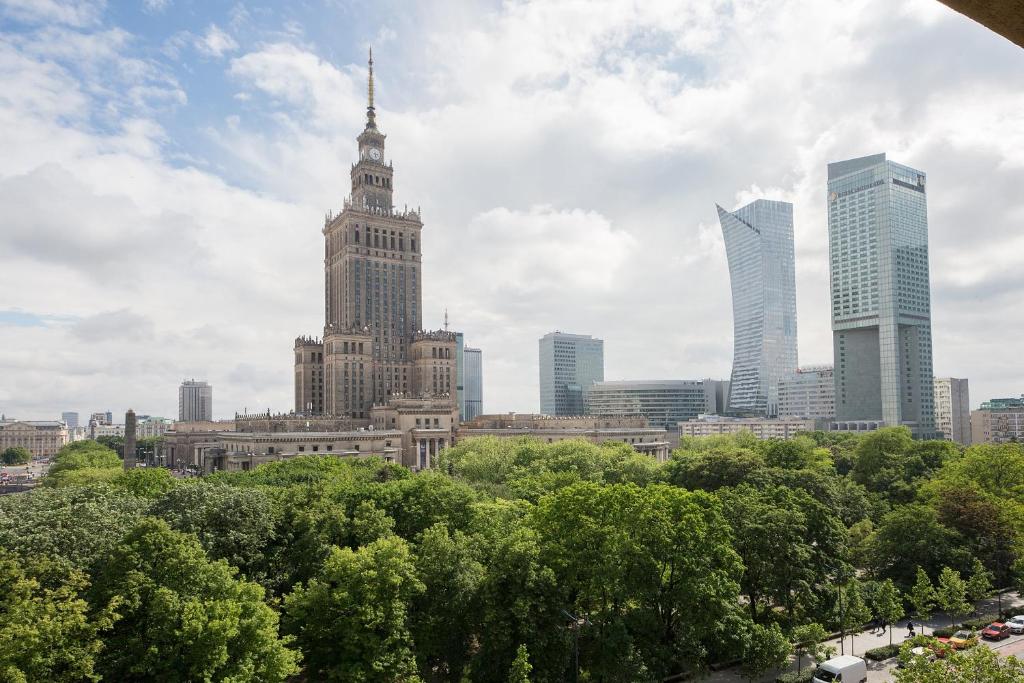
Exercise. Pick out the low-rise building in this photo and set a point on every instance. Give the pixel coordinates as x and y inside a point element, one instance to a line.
<point>219,451</point>
<point>40,438</point>
<point>809,392</point>
<point>98,430</point>
<point>149,426</point>
<point>1000,420</point>
<point>663,402</point>
<point>631,429</point>
<point>762,428</point>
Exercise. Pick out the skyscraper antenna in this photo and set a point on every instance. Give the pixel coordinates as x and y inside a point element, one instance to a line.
<point>370,114</point>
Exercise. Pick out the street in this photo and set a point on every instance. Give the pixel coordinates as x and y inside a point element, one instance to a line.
<point>881,672</point>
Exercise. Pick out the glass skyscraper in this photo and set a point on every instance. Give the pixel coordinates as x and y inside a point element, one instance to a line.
<point>473,396</point>
<point>881,299</point>
<point>759,245</point>
<point>569,365</point>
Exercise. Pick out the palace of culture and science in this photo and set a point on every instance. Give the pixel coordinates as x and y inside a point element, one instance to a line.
<point>376,383</point>
<point>375,360</point>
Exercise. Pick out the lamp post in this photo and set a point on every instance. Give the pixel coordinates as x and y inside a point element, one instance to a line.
<point>575,623</point>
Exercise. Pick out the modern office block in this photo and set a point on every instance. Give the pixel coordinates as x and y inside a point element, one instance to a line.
<point>953,409</point>
<point>70,419</point>
<point>809,392</point>
<point>195,401</point>
<point>473,386</point>
<point>569,364</point>
<point>759,245</point>
<point>664,403</point>
<point>881,301</point>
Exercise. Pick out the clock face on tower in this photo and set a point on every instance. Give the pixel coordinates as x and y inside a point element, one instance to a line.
<point>375,154</point>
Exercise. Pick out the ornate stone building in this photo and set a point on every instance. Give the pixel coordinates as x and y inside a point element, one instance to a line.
<point>374,349</point>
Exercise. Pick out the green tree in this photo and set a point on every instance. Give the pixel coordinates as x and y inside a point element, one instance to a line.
<point>183,617</point>
<point>82,462</point>
<point>888,604</point>
<point>239,525</point>
<point>979,584</point>
<point>80,525</point>
<point>145,482</point>
<point>444,618</point>
<point>520,670</point>
<point>951,594</point>
<point>16,455</point>
<point>969,666</point>
<point>776,522</point>
<point>807,639</point>
<point>853,611</point>
<point>912,536</point>
<point>662,551</point>
<point>46,630</point>
<point>767,648</point>
<point>922,596</point>
<point>713,470</point>
<point>350,620</point>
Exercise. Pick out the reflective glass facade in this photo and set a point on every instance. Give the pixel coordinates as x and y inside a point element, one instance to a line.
<point>881,300</point>
<point>473,383</point>
<point>664,403</point>
<point>569,364</point>
<point>759,245</point>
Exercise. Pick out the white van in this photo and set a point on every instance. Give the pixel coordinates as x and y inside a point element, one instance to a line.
<point>844,669</point>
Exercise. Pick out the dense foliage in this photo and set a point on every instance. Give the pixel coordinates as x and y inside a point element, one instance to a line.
<point>500,563</point>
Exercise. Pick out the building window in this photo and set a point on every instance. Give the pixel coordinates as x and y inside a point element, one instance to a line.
<point>302,449</point>
<point>316,448</point>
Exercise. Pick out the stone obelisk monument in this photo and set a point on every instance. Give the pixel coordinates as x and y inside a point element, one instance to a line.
<point>129,439</point>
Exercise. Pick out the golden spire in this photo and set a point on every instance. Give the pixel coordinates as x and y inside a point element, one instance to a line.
<point>370,116</point>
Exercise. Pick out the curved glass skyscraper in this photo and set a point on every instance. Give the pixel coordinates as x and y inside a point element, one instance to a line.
<point>759,245</point>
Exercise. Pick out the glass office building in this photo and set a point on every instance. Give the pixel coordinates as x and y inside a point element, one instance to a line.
<point>759,245</point>
<point>569,365</point>
<point>665,403</point>
<point>881,298</point>
<point>473,385</point>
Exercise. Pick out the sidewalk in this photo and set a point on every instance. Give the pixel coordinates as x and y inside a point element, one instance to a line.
<point>858,643</point>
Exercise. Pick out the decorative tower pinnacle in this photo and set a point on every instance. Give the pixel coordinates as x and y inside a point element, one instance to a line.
<point>370,115</point>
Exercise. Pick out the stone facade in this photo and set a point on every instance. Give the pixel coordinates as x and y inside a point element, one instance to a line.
<point>41,439</point>
<point>374,349</point>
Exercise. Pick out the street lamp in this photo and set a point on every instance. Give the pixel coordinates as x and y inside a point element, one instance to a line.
<point>575,623</point>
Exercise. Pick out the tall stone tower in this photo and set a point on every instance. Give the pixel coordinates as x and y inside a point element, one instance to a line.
<point>372,295</point>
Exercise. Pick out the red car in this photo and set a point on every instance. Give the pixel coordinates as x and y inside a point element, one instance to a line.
<point>996,631</point>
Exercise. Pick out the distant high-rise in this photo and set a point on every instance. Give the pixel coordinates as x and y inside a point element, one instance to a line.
<point>195,401</point>
<point>953,409</point>
<point>569,364</point>
<point>759,245</point>
<point>473,384</point>
<point>70,418</point>
<point>881,300</point>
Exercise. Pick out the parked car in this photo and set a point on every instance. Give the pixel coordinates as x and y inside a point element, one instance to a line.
<point>842,669</point>
<point>961,640</point>
<point>1016,623</point>
<point>996,631</point>
<point>915,653</point>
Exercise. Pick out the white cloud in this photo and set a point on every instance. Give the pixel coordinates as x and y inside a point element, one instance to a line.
<point>156,6</point>
<point>70,12</point>
<point>567,157</point>
<point>215,42</point>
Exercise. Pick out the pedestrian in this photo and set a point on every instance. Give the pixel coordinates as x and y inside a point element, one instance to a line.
<point>883,625</point>
<point>910,628</point>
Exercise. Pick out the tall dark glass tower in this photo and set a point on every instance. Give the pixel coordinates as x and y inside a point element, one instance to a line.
<point>881,297</point>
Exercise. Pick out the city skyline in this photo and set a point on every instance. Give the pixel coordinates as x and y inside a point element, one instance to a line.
<point>193,206</point>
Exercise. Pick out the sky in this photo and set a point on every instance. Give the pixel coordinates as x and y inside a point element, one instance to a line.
<point>166,165</point>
